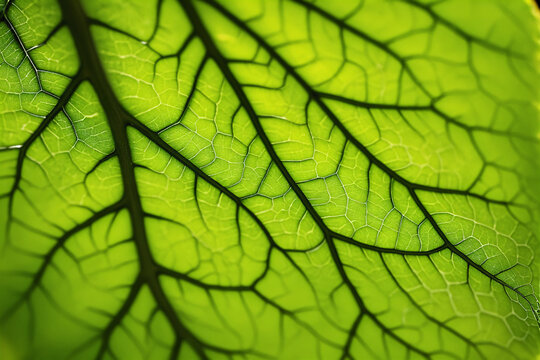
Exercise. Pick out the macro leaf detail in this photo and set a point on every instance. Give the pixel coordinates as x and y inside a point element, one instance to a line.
<point>288,179</point>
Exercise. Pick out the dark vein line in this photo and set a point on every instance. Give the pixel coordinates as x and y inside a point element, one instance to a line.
<point>214,53</point>
<point>99,163</point>
<point>26,54</point>
<point>318,99</point>
<point>379,249</point>
<point>183,277</point>
<point>5,9</point>
<point>152,136</point>
<point>62,101</point>
<point>469,37</point>
<point>430,107</point>
<point>352,333</point>
<point>423,312</point>
<point>48,257</point>
<point>53,32</point>
<point>410,186</point>
<point>366,37</point>
<point>459,253</point>
<point>119,316</point>
<point>368,105</point>
<point>190,96</point>
<point>80,29</point>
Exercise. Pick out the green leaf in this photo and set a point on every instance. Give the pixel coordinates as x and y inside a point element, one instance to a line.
<point>287,179</point>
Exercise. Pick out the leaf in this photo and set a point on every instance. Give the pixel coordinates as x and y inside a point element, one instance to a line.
<point>274,179</point>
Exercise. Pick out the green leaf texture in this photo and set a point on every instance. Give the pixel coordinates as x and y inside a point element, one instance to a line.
<point>269,179</point>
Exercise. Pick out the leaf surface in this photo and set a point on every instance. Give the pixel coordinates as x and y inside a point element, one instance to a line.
<point>269,179</point>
